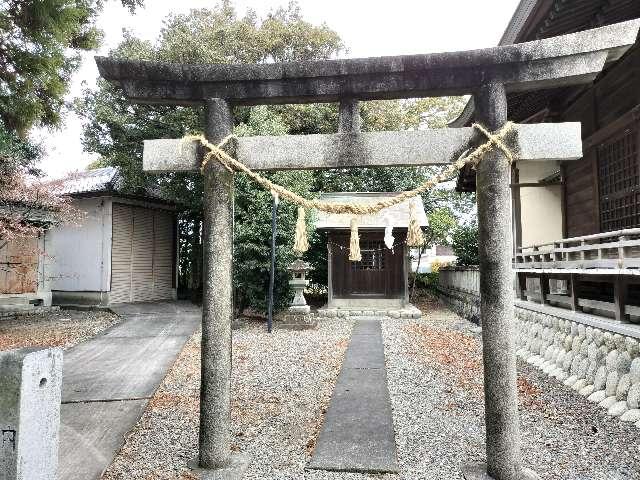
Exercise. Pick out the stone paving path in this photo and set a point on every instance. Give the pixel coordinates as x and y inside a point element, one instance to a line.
<point>108,380</point>
<point>358,434</point>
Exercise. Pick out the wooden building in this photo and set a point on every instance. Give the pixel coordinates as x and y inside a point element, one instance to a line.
<point>125,250</point>
<point>577,224</point>
<point>24,267</point>
<point>380,280</point>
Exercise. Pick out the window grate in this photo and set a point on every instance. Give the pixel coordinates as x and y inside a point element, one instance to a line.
<point>619,182</point>
<point>372,256</point>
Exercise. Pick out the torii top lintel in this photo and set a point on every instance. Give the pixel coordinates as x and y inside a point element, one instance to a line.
<point>569,59</point>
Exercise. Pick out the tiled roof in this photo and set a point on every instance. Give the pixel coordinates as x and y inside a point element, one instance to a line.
<point>98,180</point>
<point>396,216</point>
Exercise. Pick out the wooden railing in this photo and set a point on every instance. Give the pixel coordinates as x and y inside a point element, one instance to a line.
<point>619,250</point>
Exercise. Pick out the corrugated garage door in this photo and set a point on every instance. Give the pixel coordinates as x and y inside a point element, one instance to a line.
<point>142,255</point>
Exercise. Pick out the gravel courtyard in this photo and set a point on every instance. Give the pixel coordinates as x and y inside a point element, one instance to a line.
<point>64,328</point>
<point>283,382</point>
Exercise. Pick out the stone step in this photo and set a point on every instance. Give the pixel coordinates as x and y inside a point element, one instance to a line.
<point>13,300</point>
<point>17,308</point>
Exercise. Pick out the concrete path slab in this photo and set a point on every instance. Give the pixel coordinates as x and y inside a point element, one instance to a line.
<point>121,368</point>
<point>92,433</point>
<point>108,380</point>
<point>357,434</point>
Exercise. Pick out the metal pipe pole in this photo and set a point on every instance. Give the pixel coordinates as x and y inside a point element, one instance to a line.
<point>493,177</point>
<point>274,210</point>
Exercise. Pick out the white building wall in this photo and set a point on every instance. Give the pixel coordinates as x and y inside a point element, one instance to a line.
<point>80,254</point>
<point>540,207</point>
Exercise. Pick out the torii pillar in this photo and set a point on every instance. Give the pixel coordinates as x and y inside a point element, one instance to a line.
<point>488,74</point>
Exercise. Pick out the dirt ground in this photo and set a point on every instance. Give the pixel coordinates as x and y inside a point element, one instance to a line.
<point>63,329</point>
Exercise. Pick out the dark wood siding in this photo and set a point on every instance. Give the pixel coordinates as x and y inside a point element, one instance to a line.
<point>606,111</point>
<point>381,272</point>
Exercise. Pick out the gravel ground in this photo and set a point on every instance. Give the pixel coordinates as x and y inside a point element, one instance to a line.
<point>435,379</point>
<point>282,385</point>
<point>63,329</point>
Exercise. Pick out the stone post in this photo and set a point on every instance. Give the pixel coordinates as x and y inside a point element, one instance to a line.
<point>217,301</point>
<point>30,391</point>
<point>349,120</point>
<point>493,178</point>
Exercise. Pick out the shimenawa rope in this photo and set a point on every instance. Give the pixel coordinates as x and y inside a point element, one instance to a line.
<point>414,235</point>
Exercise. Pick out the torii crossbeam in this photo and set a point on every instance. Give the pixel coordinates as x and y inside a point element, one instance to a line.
<point>487,74</point>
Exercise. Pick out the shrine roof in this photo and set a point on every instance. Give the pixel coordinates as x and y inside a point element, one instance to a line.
<point>396,216</point>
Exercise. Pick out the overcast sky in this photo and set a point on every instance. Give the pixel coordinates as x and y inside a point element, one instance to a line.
<point>367,27</point>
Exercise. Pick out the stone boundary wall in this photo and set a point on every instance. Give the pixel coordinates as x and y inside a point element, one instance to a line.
<point>459,288</point>
<point>598,362</point>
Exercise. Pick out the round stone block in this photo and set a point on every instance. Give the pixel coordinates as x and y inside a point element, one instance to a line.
<point>590,374</point>
<point>623,362</point>
<point>633,347</point>
<point>608,402</point>
<point>576,344</point>
<point>579,385</point>
<point>618,409</point>
<point>566,363</point>
<point>577,362</point>
<point>570,381</point>
<point>612,360</point>
<point>634,370</point>
<point>612,383</point>
<point>586,391</point>
<point>624,384</point>
<point>633,396</point>
<point>589,334</point>
<point>598,336</point>
<point>602,354</point>
<point>597,397</point>
<point>632,415</point>
<point>608,340</point>
<point>600,380</point>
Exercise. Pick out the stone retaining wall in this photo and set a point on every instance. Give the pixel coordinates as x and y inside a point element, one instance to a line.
<point>596,361</point>
<point>598,364</point>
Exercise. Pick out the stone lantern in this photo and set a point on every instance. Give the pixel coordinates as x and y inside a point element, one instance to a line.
<point>299,282</point>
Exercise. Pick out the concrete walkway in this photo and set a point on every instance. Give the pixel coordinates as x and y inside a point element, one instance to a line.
<point>108,380</point>
<point>357,434</point>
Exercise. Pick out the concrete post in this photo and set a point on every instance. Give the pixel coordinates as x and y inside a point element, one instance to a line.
<point>217,303</point>
<point>30,391</point>
<point>493,177</point>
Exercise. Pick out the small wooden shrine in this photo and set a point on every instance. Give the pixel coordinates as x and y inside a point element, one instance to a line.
<point>380,279</point>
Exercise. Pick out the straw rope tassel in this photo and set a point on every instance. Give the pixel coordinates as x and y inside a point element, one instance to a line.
<point>414,233</point>
<point>300,243</point>
<point>354,242</point>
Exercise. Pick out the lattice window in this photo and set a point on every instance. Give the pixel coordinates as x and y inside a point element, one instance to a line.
<point>372,256</point>
<point>619,182</point>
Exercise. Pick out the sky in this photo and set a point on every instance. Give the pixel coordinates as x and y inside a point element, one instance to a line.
<point>368,28</point>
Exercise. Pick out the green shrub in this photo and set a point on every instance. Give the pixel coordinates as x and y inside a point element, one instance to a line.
<point>465,244</point>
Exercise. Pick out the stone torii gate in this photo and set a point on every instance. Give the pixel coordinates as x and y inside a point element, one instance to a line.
<point>487,74</point>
